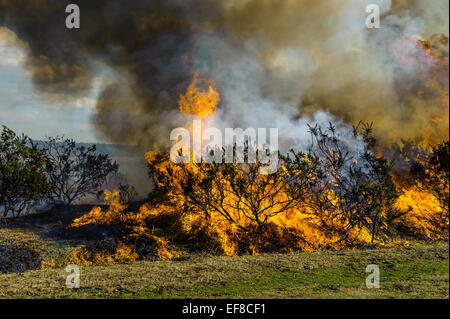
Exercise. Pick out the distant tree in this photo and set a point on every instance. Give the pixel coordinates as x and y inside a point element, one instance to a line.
<point>74,171</point>
<point>22,178</point>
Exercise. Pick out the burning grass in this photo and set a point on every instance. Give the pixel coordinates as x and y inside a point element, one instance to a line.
<point>135,238</point>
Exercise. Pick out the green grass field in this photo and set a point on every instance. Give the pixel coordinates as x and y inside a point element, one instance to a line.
<point>420,271</point>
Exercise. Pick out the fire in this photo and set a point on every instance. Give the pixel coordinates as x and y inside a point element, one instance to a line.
<point>133,226</point>
<point>425,216</point>
<point>197,102</point>
<point>249,218</point>
<point>231,220</point>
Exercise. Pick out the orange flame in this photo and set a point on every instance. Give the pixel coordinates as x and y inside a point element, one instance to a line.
<point>197,102</point>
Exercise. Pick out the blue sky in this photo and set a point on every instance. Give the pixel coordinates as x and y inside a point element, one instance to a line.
<point>24,110</point>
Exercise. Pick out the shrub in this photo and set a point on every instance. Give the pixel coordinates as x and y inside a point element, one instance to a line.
<point>426,194</point>
<point>74,171</point>
<point>236,192</point>
<point>22,179</point>
<point>353,188</point>
<point>328,197</point>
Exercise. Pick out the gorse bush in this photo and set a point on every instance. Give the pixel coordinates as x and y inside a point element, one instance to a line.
<point>425,191</point>
<point>75,171</point>
<point>236,192</point>
<point>23,182</point>
<point>221,203</point>
<point>353,188</point>
<point>334,195</point>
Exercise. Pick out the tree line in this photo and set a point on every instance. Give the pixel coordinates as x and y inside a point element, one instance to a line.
<point>57,172</point>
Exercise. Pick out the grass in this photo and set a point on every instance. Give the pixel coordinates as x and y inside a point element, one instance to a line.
<point>419,271</point>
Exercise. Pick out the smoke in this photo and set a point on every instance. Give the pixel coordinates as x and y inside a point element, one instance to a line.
<point>275,63</point>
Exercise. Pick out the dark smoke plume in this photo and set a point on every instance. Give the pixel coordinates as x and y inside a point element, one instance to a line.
<point>274,62</point>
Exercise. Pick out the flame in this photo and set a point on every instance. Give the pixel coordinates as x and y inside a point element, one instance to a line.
<point>197,102</point>
<point>425,217</point>
<point>134,225</point>
<point>295,228</point>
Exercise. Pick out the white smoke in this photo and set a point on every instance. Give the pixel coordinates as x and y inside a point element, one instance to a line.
<point>263,80</point>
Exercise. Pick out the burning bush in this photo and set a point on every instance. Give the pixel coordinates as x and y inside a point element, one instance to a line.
<point>425,217</point>
<point>237,193</point>
<point>424,181</point>
<point>329,197</point>
<point>225,201</point>
<point>338,194</point>
<point>354,188</point>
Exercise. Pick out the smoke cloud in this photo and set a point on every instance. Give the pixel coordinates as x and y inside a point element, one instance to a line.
<point>275,63</point>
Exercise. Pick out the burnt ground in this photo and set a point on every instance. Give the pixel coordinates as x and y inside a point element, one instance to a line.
<point>26,241</point>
